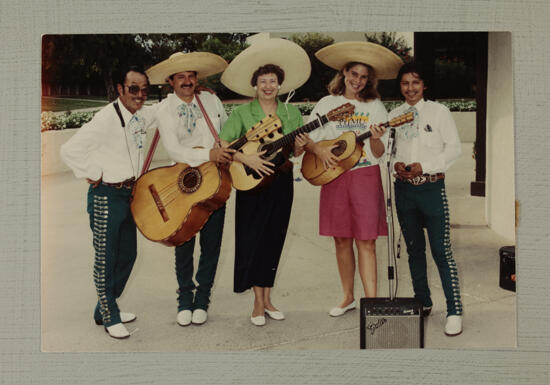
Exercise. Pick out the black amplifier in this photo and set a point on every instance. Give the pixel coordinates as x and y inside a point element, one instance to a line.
<point>507,268</point>
<point>391,323</point>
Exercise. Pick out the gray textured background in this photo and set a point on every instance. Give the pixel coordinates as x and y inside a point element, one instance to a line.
<point>21,27</point>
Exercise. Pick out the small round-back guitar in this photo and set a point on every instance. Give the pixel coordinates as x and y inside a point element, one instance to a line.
<point>349,148</point>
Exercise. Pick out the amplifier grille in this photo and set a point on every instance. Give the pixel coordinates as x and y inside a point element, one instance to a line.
<point>392,332</point>
<point>391,324</point>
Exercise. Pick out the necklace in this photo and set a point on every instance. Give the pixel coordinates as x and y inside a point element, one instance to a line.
<point>130,154</point>
<point>123,126</point>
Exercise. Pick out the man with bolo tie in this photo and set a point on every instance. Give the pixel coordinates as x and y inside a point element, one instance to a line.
<point>425,149</point>
<point>189,138</point>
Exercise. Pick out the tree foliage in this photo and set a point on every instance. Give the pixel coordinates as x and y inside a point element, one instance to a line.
<point>398,45</point>
<point>83,61</point>
<point>316,86</point>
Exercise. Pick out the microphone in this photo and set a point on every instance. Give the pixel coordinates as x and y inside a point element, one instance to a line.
<point>392,138</point>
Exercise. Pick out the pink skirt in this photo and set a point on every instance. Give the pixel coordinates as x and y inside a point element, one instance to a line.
<point>352,205</point>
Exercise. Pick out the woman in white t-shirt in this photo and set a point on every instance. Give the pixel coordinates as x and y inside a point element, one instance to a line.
<point>352,208</point>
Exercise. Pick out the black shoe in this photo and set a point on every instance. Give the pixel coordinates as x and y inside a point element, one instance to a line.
<point>426,310</point>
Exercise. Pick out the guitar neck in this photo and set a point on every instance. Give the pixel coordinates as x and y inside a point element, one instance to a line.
<point>289,138</point>
<point>239,143</point>
<point>368,134</point>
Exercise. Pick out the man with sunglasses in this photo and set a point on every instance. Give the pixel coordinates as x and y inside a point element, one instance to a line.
<point>108,152</point>
<point>189,138</point>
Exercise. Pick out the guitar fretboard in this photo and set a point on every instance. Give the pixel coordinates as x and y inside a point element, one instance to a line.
<point>289,138</point>
<point>239,143</point>
<point>393,123</point>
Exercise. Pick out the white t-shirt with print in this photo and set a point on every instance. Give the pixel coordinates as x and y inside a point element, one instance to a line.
<point>365,115</point>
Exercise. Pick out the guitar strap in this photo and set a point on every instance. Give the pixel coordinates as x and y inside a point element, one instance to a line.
<point>209,122</point>
<point>147,161</point>
<point>149,158</point>
<point>154,142</point>
<point>117,109</point>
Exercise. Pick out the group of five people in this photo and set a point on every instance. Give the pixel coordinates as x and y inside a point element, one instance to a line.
<point>108,152</point>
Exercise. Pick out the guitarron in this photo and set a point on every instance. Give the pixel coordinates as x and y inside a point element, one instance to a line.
<point>349,148</point>
<point>244,178</point>
<point>171,204</point>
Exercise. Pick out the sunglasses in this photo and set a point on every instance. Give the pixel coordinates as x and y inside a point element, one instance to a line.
<point>134,90</point>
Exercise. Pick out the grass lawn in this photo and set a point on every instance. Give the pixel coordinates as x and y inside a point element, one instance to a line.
<point>71,103</point>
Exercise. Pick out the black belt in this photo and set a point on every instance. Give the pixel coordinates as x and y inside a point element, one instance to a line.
<point>127,184</point>
<point>424,178</point>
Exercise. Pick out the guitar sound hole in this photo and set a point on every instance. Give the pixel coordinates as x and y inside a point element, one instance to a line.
<point>268,148</point>
<point>190,180</point>
<point>342,145</point>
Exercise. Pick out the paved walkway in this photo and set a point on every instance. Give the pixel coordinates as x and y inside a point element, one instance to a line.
<point>307,283</point>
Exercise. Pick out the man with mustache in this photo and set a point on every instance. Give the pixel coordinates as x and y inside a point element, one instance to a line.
<point>187,137</point>
<point>108,152</point>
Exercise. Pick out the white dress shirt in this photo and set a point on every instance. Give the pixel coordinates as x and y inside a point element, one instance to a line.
<point>431,140</point>
<point>181,139</point>
<point>103,148</point>
<point>365,115</point>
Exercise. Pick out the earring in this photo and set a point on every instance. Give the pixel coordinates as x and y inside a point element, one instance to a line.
<point>256,88</point>
<point>279,87</point>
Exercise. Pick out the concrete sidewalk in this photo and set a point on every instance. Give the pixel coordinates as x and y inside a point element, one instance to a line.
<point>306,287</point>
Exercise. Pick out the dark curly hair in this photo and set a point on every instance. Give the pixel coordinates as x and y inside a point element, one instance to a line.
<point>413,68</point>
<point>268,69</point>
<point>119,76</point>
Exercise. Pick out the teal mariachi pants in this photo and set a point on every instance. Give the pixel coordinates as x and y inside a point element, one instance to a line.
<point>426,206</point>
<point>114,233</point>
<point>210,243</point>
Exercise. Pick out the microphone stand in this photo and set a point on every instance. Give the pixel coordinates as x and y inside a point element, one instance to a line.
<point>389,213</point>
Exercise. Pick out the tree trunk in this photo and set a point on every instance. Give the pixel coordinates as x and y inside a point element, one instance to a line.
<point>109,86</point>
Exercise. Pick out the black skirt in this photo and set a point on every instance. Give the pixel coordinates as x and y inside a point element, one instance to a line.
<point>261,222</point>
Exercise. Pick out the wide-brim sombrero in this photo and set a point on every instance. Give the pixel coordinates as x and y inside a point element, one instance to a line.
<point>385,62</point>
<point>203,63</point>
<point>288,55</point>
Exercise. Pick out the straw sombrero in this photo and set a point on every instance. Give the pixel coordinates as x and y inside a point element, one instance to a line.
<point>385,62</point>
<point>288,55</point>
<point>203,63</point>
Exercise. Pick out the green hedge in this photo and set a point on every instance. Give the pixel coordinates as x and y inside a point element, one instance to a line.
<point>68,119</point>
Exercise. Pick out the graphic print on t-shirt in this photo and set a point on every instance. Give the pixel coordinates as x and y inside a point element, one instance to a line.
<point>358,123</point>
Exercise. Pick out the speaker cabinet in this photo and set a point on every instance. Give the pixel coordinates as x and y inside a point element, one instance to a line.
<point>507,268</point>
<point>391,324</point>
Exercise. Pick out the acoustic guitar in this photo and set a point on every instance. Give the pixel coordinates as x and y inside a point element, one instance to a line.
<point>349,148</point>
<point>171,204</point>
<point>244,178</point>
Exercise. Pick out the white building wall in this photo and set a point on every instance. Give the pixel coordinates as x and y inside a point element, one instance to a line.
<point>500,177</point>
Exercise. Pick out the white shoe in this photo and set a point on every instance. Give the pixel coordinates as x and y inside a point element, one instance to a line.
<point>258,321</point>
<point>118,331</point>
<point>453,327</point>
<point>199,316</point>
<point>338,311</point>
<point>184,317</point>
<point>124,318</point>
<point>277,315</point>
